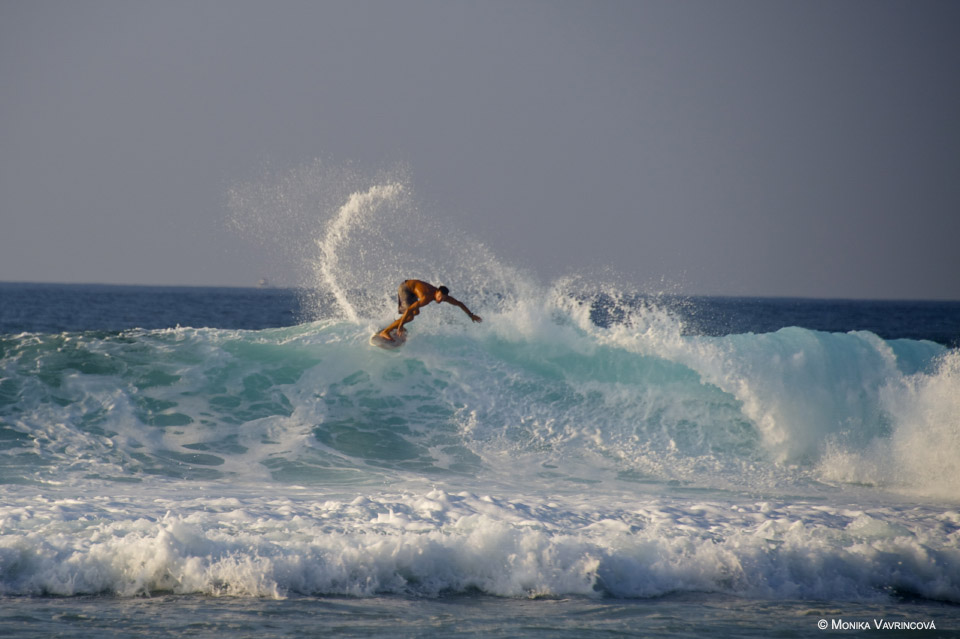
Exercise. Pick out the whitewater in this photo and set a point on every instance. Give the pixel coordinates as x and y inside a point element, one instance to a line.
<point>585,446</point>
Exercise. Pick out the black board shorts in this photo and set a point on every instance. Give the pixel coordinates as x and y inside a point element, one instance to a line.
<point>405,297</point>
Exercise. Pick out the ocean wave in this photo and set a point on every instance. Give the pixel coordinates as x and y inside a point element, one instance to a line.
<point>638,400</point>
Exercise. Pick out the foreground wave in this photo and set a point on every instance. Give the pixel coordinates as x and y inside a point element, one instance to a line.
<point>439,543</point>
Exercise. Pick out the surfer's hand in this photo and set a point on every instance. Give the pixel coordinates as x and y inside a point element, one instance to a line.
<point>476,318</point>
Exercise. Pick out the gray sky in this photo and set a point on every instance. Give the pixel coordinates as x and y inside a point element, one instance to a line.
<point>805,148</point>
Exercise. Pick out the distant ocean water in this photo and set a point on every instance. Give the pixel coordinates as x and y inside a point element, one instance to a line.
<point>182,461</point>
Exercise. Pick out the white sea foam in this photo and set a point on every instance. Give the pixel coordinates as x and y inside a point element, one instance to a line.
<point>921,453</point>
<point>435,542</point>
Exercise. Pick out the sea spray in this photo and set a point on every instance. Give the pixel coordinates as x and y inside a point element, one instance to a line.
<point>356,213</point>
<point>331,231</point>
<point>348,239</point>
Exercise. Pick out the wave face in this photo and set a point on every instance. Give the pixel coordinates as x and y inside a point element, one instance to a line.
<point>314,403</point>
<point>581,441</point>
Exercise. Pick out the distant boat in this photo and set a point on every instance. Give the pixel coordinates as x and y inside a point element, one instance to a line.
<point>264,283</point>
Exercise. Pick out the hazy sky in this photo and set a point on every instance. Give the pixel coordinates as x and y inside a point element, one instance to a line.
<point>805,148</point>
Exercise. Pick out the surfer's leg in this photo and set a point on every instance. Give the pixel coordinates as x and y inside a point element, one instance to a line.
<point>405,297</point>
<point>385,333</point>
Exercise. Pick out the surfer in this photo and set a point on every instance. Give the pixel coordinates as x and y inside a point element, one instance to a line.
<point>415,294</point>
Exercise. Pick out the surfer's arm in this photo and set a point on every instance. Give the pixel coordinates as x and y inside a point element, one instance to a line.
<point>452,300</point>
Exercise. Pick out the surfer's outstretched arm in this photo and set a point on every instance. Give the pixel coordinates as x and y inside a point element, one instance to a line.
<point>449,299</point>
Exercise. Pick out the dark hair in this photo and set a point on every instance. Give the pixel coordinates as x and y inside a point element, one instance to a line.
<point>444,290</point>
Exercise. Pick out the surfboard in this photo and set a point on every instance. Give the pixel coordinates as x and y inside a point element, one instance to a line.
<point>398,341</point>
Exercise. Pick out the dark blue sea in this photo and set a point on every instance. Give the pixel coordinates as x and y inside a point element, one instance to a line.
<point>584,463</point>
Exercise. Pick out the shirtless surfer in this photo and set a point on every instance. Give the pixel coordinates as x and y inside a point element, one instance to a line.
<point>414,294</point>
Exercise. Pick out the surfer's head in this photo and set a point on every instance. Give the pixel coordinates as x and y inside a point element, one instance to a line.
<point>442,292</point>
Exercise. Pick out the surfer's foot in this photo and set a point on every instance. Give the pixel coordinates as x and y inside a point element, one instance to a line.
<point>385,335</point>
